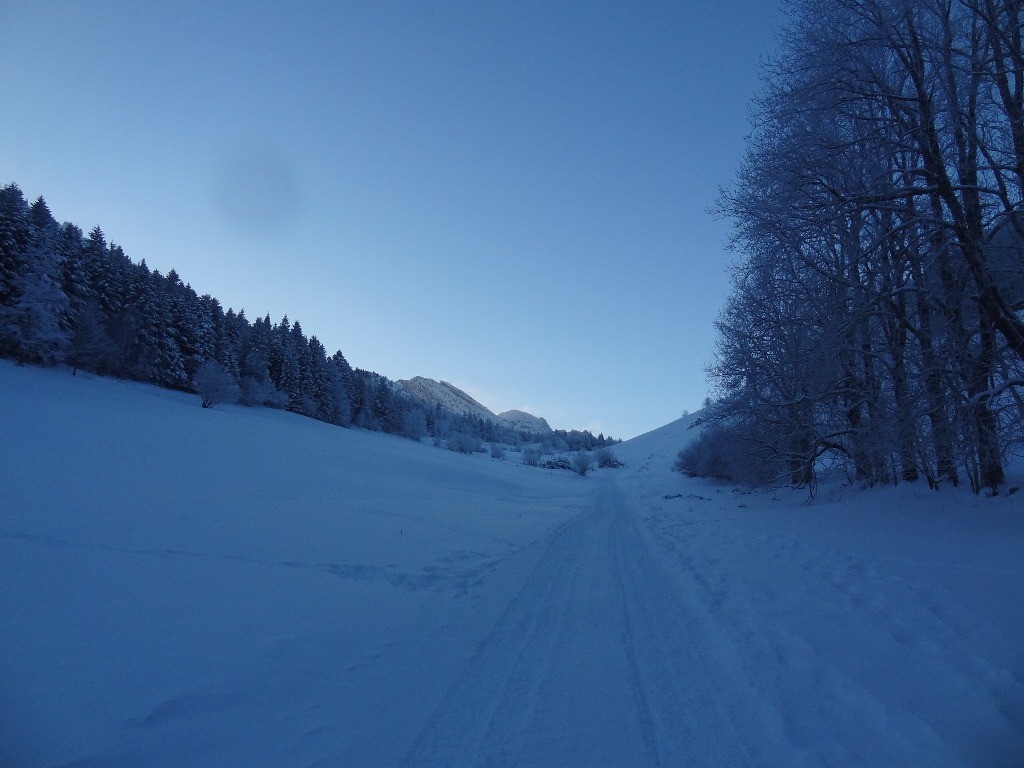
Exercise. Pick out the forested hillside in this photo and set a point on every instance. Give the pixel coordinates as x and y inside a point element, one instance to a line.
<point>875,322</point>
<point>68,297</point>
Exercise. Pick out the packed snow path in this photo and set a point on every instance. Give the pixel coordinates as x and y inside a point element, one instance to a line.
<point>594,663</point>
<point>650,639</point>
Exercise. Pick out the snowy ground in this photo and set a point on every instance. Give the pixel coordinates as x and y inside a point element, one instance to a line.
<point>232,587</point>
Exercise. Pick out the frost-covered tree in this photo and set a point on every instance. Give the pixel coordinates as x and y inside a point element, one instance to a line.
<point>34,320</point>
<point>869,325</point>
<point>14,239</point>
<point>215,385</point>
<point>34,323</point>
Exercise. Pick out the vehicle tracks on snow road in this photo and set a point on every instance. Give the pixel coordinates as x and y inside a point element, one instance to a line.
<point>595,661</point>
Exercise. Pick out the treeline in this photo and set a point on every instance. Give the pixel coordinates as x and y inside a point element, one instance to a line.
<point>75,298</point>
<point>875,319</point>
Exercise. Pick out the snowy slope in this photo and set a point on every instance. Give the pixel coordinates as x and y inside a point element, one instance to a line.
<point>656,450</point>
<point>236,587</point>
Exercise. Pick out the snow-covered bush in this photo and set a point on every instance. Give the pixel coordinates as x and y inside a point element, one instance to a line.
<point>558,462</point>
<point>463,443</point>
<point>531,456</point>
<point>260,390</point>
<point>255,391</point>
<point>729,454</point>
<point>581,463</point>
<point>705,456</point>
<point>215,385</point>
<point>606,459</point>
<point>497,451</point>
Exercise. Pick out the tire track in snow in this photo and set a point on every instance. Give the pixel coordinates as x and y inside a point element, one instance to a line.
<point>455,732</point>
<point>595,661</point>
<point>703,709</point>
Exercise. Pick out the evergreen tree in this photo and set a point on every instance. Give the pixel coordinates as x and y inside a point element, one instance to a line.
<point>34,320</point>
<point>14,239</point>
<point>34,323</point>
<point>68,245</point>
<point>91,346</point>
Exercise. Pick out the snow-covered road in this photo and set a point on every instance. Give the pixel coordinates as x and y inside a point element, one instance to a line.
<point>556,680</point>
<point>596,662</point>
<point>693,629</point>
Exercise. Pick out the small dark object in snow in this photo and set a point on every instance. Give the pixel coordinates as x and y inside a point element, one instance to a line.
<point>673,496</point>
<point>1012,490</point>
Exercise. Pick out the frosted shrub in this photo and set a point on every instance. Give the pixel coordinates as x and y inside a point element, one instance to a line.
<point>581,463</point>
<point>705,456</point>
<point>531,456</point>
<point>558,462</point>
<point>463,443</point>
<point>255,391</point>
<point>215,385</point>
<point>606,459</point>
<point>729,454</point>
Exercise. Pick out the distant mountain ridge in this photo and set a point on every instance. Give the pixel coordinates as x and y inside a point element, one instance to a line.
<point>527,421</point>
<point>453,399</point>
<point>446,395</point>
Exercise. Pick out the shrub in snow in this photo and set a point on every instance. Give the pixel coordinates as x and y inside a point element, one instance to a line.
<point>729,454</point>
<point>260,390</point>
<point>215,385</point>
<point>531,456</point>
<point>558,462</point>
<point>606,459</point>
<point>705,456</point>
<point>463,443</point>
<point>581,463</point>
<point>497,451</point>
<point>255,391</point>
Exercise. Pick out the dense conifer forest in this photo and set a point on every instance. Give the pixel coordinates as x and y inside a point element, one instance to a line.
<point>77,299</point>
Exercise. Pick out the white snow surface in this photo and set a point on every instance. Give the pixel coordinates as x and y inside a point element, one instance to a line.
<point>234,587</point>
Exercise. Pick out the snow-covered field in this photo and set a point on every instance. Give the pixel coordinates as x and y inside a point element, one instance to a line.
<point>233,587</point>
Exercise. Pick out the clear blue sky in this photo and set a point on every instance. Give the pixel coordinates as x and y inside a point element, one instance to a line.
<point>508,196</point>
